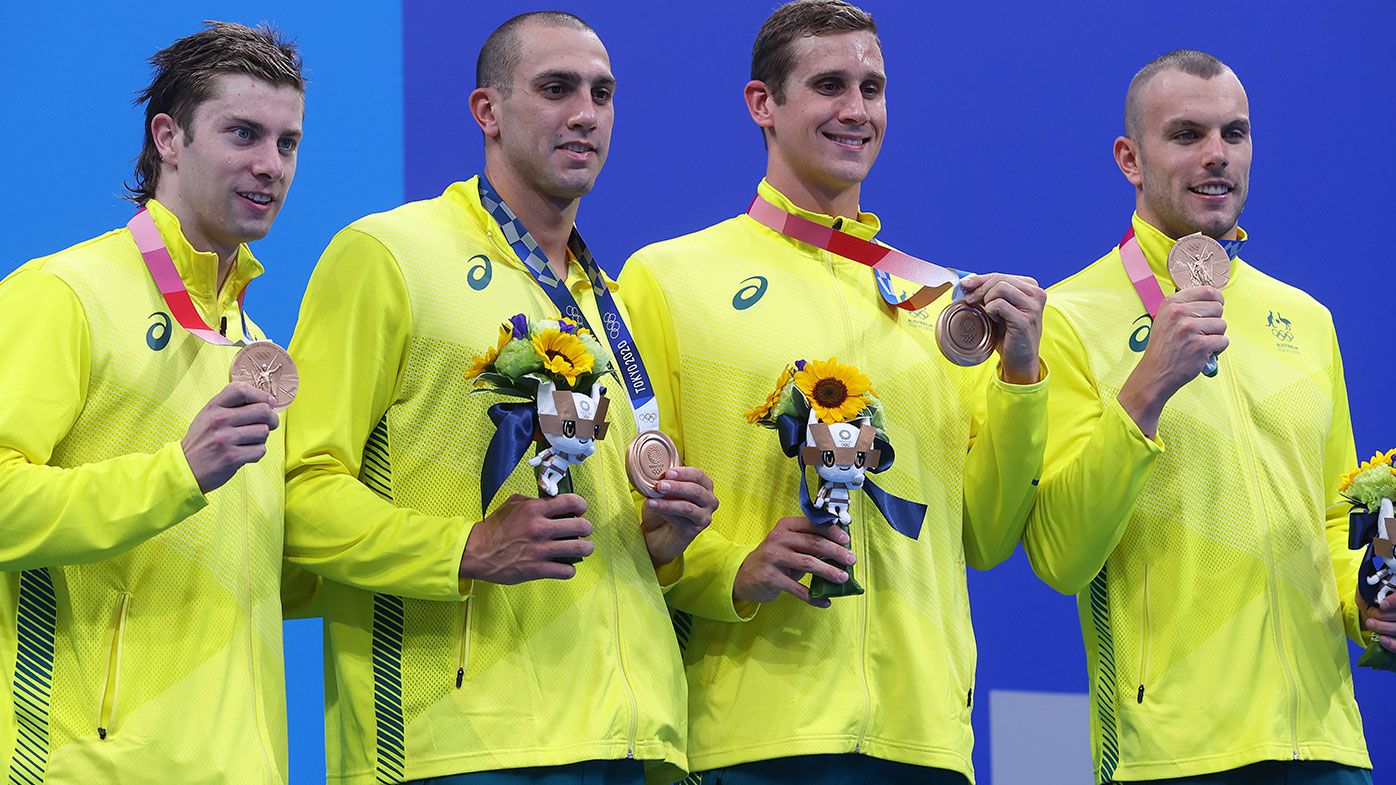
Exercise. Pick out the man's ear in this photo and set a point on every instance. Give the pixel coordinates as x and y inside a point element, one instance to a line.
<point>484,109</point>
<point>1127,158</point>
<point>168,138</point>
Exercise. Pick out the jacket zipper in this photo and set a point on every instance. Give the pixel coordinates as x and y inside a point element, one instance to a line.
<point>109,689</point>
<point>463,657</point>
<point>1144,640</point>
<point>624,675</point>
<point>861,547</point>
<point>1271,591</point>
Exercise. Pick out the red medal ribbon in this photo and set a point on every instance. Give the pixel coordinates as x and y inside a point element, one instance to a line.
<point>934,279</point>
<point>166,275</point>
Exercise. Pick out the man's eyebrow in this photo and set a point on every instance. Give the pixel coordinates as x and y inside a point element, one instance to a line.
<point>248,122</point>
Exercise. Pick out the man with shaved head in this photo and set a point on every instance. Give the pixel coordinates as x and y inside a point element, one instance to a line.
<point>1194,451</point>
<point>470,640</point>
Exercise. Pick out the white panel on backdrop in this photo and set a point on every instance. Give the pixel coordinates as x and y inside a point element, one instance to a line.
<point>1039,738</point>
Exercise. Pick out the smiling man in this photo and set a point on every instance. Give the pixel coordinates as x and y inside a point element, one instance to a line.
<point>140,492</point>
<point>451,658</point>
<point>1214,580</point>
<point>876,688</point>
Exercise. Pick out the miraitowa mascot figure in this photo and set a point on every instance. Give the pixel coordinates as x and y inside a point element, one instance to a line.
<point>570,423</point>
<point>1371,488</point>
<point>827,416</point>
<point>552,371</point>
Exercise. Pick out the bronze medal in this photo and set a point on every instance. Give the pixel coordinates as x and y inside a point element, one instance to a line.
<point>966,334</point>
<point>269,368</point>
<point>651,454</point>
<point>1198,260</point>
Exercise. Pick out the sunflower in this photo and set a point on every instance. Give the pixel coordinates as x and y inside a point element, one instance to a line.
<point>481,363</point>
<point>836,392</point>
<point>563,354</point>
<point>764,410</point>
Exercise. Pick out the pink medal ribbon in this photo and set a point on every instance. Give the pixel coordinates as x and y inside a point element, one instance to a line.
<point>1140,274</point>
<point>934,279</point>
<point>166,276</point>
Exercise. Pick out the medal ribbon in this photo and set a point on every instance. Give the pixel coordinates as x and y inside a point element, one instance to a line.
<point>1142,276</point>
<point>166,275</point>
<point>934,279</point>
<point>632,368</point>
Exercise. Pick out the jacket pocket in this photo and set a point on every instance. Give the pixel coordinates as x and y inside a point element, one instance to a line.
<point>1144,638</point>
<point>463,651</point>
<point>107,713</point>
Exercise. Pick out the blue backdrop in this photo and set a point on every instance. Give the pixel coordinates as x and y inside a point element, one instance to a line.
<point>997,156</point>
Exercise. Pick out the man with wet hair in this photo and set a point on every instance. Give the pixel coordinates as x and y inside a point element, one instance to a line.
<point>1214,579</point>
<point>141,493</point>
<point>470,641</point>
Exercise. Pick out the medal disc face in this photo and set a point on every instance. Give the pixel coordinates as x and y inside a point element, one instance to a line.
<point>651,454</point>
<point>1198,260</point>
<point>269,368</point>
<point>966,334</point>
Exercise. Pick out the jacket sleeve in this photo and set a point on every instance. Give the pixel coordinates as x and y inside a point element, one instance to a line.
<point>1339,456</point>
<point>350,347</point>
<point>1097,461</point>
<point>51,515</point>
<point>1004,465</point>
<point>711,561</point>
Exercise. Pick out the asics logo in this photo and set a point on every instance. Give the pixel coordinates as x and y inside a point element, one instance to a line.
<point>478,276</point>
<point>158,336</point>
<point>749,294</point>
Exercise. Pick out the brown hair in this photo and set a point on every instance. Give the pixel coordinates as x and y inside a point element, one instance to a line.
<point>499,56</point>
<point>184,78</point>
<point>1189,61</point>
<point>771,57</point>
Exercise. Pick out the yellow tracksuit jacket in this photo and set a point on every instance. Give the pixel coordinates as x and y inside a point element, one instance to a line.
<point>1213,577</point>
<point>425,675</point>
<point>890,673</point>
<point>140,620</point>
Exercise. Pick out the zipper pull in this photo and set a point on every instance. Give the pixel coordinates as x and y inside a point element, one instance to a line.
<point>223,327</point>
<point>102,734</point>
<point>1140,699</point>
<point>460,677</point>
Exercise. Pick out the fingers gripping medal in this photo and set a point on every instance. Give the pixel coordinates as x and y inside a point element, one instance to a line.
<point>1198,260</point>
<point>827,417</point>
<point>966,335</point>
<point>269,368</point>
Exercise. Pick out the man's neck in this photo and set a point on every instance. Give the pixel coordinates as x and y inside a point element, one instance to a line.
<point>1175,233</point>
<point>808,196</point>
<point>548,220</point>
<point>227,257</point>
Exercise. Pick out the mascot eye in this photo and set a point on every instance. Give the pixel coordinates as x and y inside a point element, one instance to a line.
<point>569,428</point>
<point>828,457</point>
<point>860,460</point>
<point>596,433</point>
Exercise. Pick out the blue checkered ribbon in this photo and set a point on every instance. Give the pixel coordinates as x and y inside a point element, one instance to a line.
<point>631,367</point>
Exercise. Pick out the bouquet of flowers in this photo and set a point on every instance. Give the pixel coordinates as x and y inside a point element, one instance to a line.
<point>828,417</point>
<point>554,367</point>
<point>528,354</point>
<point>834,392</point>
<point>1371,488</point>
